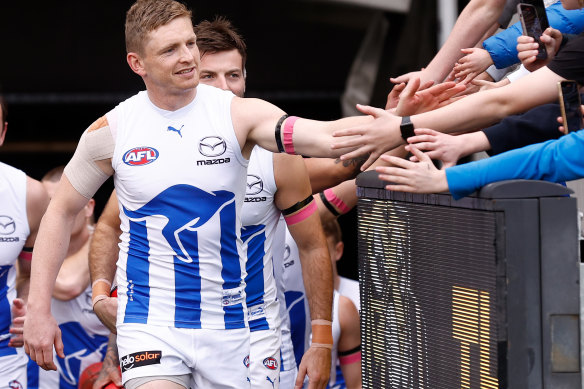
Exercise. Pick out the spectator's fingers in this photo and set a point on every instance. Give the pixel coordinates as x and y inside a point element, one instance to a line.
<point>426,146</point>
<point>426,85</point>
<point>411,88</point>
<point>524,39</point>
<point>421,156</point>
<point>448,93</point>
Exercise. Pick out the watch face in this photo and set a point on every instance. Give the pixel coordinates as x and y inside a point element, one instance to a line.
<point>407,128</point>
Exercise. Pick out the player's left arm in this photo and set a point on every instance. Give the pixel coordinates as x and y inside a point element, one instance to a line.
<point>256,122</point>
<point>294,198</point>
<point>349,347</point>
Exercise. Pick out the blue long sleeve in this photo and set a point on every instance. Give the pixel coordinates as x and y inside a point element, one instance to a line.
<point>503,46</point>
<point>554,160</point>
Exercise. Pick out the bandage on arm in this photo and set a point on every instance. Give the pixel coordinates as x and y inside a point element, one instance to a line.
<point>83,170</point>
<point>322,334</point>
<point>100,290</point>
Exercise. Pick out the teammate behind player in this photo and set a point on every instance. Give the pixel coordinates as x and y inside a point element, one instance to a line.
<point>22,204</point>
<point>346,354</point>
<point>84,336</point>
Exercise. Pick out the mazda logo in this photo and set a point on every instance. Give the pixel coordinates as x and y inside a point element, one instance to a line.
<point>7,225</point>
<point>254,185</point>
<point>212,146</point>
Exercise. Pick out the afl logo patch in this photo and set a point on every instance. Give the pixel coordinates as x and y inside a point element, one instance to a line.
<point>212,146</point>
<point>7,225</point>
<point>254,185</point>
<point>271,363</point>
<point>14,384</point>
<point>139,156</point>
<point>246,361</point>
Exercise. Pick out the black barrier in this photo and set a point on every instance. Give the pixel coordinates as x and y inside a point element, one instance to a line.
<point>477,293</point>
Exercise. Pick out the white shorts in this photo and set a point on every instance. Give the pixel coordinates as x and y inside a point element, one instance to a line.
<point>214,358</point>
<point>13,370</point>
<point>264,369</point>
<point>288,378</point>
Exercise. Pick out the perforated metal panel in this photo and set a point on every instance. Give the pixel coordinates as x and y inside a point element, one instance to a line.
<point>429,296</point>
<point>477,293</point>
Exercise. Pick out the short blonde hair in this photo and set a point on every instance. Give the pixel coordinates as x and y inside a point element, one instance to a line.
<point>147,15</point>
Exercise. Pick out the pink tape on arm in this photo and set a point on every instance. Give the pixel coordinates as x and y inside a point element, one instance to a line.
<point>302,214</point>
<point>337,202</point>
<point>25,255</point>
<point>288,132</point>
<point>348,359</point>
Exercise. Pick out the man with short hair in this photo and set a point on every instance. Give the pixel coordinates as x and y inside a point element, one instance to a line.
<point>178,152</point>
<point>22,204</point>
<point>275,183</point>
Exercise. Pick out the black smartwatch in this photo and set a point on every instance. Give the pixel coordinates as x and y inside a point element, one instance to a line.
<point>407,128</point>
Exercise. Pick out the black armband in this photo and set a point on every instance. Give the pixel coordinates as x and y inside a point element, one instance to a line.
<point>298,206</point>
<point>349,352</point>
<point>328,205</point>
<point>277,134</point>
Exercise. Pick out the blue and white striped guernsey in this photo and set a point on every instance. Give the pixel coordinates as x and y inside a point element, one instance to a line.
<point>180,181</point>
<point>260,218</point>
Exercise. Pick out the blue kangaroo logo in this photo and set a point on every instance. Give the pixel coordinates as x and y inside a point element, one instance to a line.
<point>171,128</point>
<point>186,208</point>
<point>81,349</point>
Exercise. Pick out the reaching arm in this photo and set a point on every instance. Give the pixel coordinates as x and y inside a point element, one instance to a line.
<point>554,160</point>
<point>304,225</point>
<point>103,254</point>
<point>474,20</point>
<point>255,122</point>
<point>475,111</point>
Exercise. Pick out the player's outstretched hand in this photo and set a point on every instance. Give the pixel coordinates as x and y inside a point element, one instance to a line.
<point>416,177</point>
<point>374,139</point>
<point>316,363</point>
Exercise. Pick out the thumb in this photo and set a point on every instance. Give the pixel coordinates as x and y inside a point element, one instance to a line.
<point>369,110</point>
<point>411,88</point>
<point>59,347</point>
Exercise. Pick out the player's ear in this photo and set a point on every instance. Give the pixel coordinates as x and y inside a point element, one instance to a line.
<point>136,63</point>
<point>3,132</point>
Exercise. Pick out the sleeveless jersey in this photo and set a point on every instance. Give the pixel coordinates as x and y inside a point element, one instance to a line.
<point>180,180</point>
<point>298,311</point>
<point>14,231</point>
<point>350,288</point>
<point>260,218</point>
<point>84,337</point>
<point>287,348</point>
